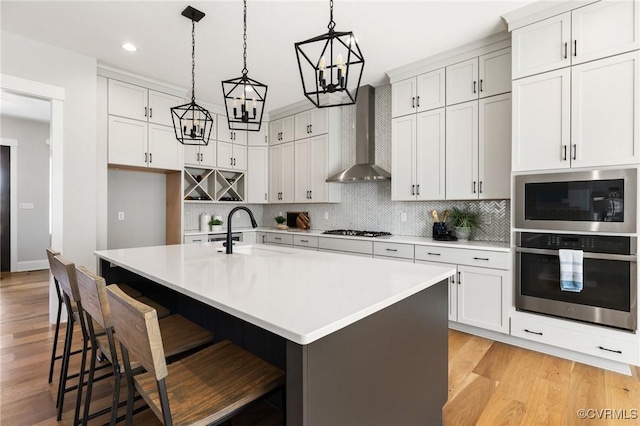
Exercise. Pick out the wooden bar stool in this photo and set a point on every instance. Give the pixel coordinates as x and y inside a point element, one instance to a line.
<point>180,336</point>
<point>207,387</point>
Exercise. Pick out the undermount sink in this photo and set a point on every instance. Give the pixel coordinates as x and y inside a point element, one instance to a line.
<point>254,251</point>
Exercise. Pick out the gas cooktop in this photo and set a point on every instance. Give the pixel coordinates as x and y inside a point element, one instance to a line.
<point>352,233</point>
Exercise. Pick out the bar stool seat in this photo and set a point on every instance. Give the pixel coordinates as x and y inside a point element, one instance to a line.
<point>161,310</point>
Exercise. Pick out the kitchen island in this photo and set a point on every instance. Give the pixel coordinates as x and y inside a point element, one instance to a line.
<point>363,341</point>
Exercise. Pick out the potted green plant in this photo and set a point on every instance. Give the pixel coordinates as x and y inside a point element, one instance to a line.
<point>216,224</point>
<point>282,222</point>
<point>464,222</point>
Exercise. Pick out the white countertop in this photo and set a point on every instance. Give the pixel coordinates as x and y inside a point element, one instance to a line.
<point>297,294</point>
<point>472,244</point>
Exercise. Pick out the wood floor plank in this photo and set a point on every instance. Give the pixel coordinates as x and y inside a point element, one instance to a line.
<point>546,403</point>
<point>461,365</point>
<point>495,362</point>
<point>519,375</point>
<point>501,411</point>
<point>587,390</point>
<point>467,406</point>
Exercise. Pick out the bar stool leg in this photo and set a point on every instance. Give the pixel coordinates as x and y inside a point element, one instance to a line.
<point>57,333</point>
<point>83,363</point>
<point>92,369</point>
<point>62,384</point>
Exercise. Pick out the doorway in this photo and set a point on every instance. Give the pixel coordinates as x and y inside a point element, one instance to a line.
<point>5,211</point>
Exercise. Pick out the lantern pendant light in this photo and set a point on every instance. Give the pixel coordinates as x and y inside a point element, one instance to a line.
<point>244,98</point>
<point>330,63</point>
<point>191,122</point>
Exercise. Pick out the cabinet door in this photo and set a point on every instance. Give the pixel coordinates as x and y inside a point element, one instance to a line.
<point>127,142</point>
<point>192,154</point>
<point>430,155</point>
<point>541,47</point>
<point>287,173</point>
<point>127,100</point>
<point>318,168</point>
<point>495,73</point>
<point>275,173</point>
<point>302,122</point>
<point>319,121</point>
<point>165,152</point>
<point>604,29</point>
<point>208,154</point>
<point>452,290</point>
<point>494,147</point>
<point>403,97</point>
<point>287,129</point>
<point>541,121</point>
<point>462,151</point>
<point>604,114</point>
<point>275,132</point>
<point>403,154</point>
<point>239,157</point>
<point>259,138</point>
<point>257,175</point>
<point>483,298</point>
<point>160,105</point>
<point>223,132</point>
<point>430,90</point>
<point>225,155</point>
<point>462,82</point>
<point>301,179</point>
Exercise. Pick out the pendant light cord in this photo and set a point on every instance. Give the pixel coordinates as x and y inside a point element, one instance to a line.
<point>332,24</point>
<point>193,61</point>
<point>244,38</point>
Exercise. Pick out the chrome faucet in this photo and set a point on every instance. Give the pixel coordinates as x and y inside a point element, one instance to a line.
<point>254,224</point>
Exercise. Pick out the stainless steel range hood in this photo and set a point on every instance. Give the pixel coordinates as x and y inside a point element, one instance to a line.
<point>364,170</point>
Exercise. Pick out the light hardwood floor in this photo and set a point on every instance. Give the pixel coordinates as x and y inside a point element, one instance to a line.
<point>490,383</point>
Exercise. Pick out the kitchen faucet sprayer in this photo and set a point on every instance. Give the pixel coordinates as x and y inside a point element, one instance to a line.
<point>254,224</point>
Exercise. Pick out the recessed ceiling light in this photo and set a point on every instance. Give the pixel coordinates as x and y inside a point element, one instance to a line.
<point>129,47</point>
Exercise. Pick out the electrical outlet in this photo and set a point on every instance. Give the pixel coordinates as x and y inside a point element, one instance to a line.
<point>326,215</point>
<point>487,219</point>
<point>26,206</point>
<point>280,214</point>
<point>120,215</point>
<point>403,217</point>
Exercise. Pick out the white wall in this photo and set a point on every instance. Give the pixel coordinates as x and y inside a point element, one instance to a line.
<point>32,187</point>
<point>33,60</point>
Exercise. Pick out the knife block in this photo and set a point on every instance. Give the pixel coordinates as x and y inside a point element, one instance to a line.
<point>440,229</point>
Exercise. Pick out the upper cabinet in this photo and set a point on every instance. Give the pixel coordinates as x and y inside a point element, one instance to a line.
<point>140,129</point>
<point>487,75</point>
<point>225,134</point>
<point>281,131</point>
<point>422,93</point>
<point>257,174</point>
<point>591,32</point>
<point>259,138</point>
<point>311,123</point>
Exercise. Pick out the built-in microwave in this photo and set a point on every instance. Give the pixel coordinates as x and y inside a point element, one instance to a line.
<point>598,201</point>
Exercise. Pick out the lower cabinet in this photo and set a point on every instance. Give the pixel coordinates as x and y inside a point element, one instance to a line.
<point>482,297</point>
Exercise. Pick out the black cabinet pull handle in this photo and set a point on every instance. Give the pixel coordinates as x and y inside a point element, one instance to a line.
<point>413,102</point>
<point>433,254</point>
<point>565,50</point>
<point>418,189</point>
<point>474,186</point>
<point>453,279</point>
<point>480,187</point>
<point>418,101</point>
<point>304,241</point>
<point>564,153</point>
<point>481,258</point>
<point>277,238</point>
<point>146,159</point>
<point>145,111</point>
<point>481,85</point>
<point>413,190</point>
<point>474,86</point>
<point>533,332</point>
<point>575,47</point>
<point>391,249</point>
<point>151,157</point>
<point>310,128</point>
<point>459,280</point>
<point>150,112</point>
<point>311,194</point>
<point>231,161</point>
<point>609,350</point>
<point>575,150</point>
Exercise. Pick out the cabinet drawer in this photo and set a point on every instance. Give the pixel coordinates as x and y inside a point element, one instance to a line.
<point>482,258</point>
<point>279,239</point>
<point>625,351</point>
<point>402,251</point>
<point>195,238</point>
<point>351,246</point>
<point>305,241</point>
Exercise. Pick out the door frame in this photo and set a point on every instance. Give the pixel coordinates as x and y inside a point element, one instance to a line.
<point>13,203</point>
<point>56,95</point>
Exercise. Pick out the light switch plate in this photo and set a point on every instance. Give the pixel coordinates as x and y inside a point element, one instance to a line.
<point>26,206</point>
<point>120,215</point>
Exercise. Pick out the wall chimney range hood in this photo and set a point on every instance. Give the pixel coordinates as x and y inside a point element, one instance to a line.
<point>364,170</point>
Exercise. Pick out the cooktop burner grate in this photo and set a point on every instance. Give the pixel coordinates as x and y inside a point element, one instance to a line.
<point>353,233</point>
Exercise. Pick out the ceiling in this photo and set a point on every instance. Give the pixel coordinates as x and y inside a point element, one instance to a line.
<point>391,34</point>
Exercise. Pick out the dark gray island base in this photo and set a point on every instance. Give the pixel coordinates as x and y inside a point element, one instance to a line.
<point>389,368</point>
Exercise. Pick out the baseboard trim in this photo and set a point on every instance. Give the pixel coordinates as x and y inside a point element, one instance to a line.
<point>545,349</point>
<point>32,265</point>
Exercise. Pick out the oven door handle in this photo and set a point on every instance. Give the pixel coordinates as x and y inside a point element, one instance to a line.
<point>587,255</point>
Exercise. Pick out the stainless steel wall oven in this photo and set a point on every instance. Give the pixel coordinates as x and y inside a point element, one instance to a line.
<point>596,201</point>
<point>609,294</point>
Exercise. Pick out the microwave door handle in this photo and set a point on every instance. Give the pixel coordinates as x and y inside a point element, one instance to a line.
<point>587,255</point>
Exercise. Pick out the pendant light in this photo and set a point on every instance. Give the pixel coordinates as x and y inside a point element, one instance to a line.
<point>191,122</point>
<point>244,98</point>
<point>330,63</point>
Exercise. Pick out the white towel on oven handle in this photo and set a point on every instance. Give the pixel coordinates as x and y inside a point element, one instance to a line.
<point>570,270</point>
<point>578,256</point>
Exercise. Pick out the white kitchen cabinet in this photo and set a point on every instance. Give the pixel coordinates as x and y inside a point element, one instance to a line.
<point>160,105</point>
<point>422,93</point>
<point>495,73</point>
<point>225,134</point>
<point>482,298</point>
<point>462,151</point>
<point>311,159</point>
<point>281,173</point>
<point>595,31</point>
<point>261,237</point>
<point>257,175</point>
<point>452,290</point>
<point>139,103</point>
<point>136,143</point>
<point>279,239</point>
<point>346,246</point>
<point>201,155</point>
<point>494,147</point>
<point>281,130</point>
<point>311,123</point>
<point>462,82</point>
<point>259,138</point>
<point>542,46</point>
<point>231,156</point>
<point>541,121</point>
<point>605,111</point>
<point>418,156</point>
